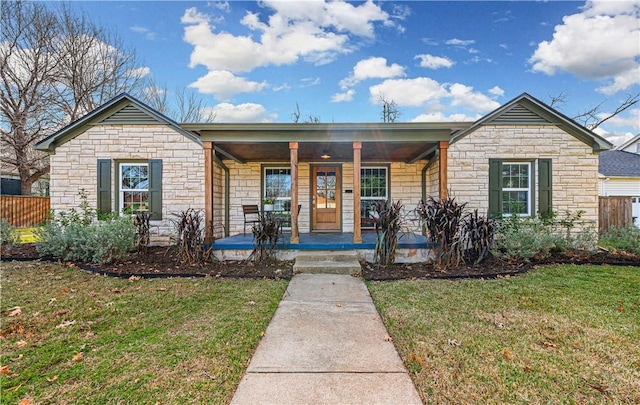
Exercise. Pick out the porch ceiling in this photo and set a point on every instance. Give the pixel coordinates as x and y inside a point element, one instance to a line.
<point>404,142</point>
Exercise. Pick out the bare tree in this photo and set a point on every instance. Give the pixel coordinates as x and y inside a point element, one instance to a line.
<point>593,117</point>
<point>390,111</point>
<point>188,106</point>
<point>55,67</point>
<point>310,119</point>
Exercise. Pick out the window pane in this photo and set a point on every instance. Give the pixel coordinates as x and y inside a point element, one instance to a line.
<point>515,202</point>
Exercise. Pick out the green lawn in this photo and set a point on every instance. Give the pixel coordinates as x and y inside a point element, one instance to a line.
<point>563,334</point>
<point>71,337</point>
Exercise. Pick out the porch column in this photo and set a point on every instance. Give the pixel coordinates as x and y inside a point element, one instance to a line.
<point>208,190</point>
<point>293,150</point>
<point>357,157</point>
<point>442,172</point>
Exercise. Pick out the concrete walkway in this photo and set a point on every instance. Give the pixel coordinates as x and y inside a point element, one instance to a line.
<point>326,344</point>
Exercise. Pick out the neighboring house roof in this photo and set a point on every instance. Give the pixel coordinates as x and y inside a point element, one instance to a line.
<point>123,109</point>
<point>629,145</point>
<point>617,163</point>
<point>526,109</point>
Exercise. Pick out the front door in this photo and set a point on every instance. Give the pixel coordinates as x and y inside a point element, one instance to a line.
<point>326,204</point>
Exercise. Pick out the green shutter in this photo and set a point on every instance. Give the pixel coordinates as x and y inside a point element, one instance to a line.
<point>495,188</point>
<point>155,188</point>
<point>544,193</point>
<point>104,186</point>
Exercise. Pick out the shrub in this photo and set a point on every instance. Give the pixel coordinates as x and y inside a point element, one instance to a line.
<point>266,233</point>
<point>478,234</point>
<point>626,238</point>
<point>189,239</point>
<point>443,220</point>
<point>520,238</point>
<point>76,234</point>
<point>8,235</point>
<point>388,222</point>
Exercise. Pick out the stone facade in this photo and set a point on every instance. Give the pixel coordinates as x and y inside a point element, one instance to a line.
<point>74,167</point>
<point>245,188</point>
<point>574,165</point>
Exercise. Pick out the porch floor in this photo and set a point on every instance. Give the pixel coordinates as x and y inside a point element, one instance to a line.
<point>323,241</point>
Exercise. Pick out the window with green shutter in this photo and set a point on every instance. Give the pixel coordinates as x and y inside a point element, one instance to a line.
<point>138,187</point>
<point>512,188</point>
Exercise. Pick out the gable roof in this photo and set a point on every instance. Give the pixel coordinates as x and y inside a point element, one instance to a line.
<point>629,143</point>
<point>123,109</point>
<point>527,110</point>
<point>619,163</point>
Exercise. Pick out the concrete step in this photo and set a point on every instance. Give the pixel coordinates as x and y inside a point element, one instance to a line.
<point>327,262</point>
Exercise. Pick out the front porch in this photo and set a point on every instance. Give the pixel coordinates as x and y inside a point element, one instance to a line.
<point>412,247</point>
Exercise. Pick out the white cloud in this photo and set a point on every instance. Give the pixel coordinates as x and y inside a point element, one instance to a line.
<point>372,68</point>
<point>247,112</point>
<point>616,138</point>
<point>434,62</point>
<point>343,97</point>
<point>441,117</point>
<point>146,32</point>
<point>222,6</point>
<point>408,92</point>
<point>140,72</point>
<point>282,87</point>
<point>459,42</point>
<point>601,43</point>
<point>496,91</point>
<point>464,96</point>
<point>224,84</point>
<point>313,31</point>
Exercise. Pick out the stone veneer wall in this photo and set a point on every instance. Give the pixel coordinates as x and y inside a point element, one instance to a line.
<point>74,167</point>
<point>574,165</point>
<point>245,188</point>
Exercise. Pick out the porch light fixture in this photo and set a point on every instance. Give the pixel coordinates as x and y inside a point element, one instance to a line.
<point>325,155</point>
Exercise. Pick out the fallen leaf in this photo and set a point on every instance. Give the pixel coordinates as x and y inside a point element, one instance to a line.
<point>506,354</point>
<point>25,401</point>
<point>549,345</point>
<point>21,343</point>
<point>251,303</point>
<point>134,278</point>
<point>52,379</point>
<point>339,305</point>
<point>526,369</point>
<point>453,342</point>
<point>78,357</point>
<point>18,358</point>
<point>65,291</point>
<point>388,338</point>
<point>620,308</point>
<point>15,311</point>
<point>64,324</point>
<point>4,369</point>
<point>52,300</point>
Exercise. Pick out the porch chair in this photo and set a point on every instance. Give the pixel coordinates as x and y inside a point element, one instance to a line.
<point>287,222</point>
<point>251,216</point>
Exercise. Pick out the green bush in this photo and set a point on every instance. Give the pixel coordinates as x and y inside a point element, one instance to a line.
<point>525,238</point>
<point>627,238</point>
<point>8,235</point>
<point>78,235</point>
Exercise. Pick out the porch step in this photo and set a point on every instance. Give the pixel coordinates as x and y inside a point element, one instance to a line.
<point>327,262</point>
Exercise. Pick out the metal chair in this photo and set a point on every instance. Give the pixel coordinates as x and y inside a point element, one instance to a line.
<point>251,216</point>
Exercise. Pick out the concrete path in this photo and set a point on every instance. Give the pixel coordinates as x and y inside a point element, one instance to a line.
<point>326,344</point>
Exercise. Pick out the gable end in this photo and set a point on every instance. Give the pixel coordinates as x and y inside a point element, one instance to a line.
<point>130,114</point>
<point>519,114</point>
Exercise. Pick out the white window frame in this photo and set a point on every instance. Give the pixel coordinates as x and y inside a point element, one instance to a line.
<point>529,188</point>
<point>279,200</point>
<point>387,170</point>
<point>121,190</point>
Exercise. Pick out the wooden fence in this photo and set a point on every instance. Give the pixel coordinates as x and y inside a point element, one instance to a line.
<point>24,211</point>
<point>614,211</point>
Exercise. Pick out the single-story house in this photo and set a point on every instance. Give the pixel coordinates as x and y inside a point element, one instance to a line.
<point>619,174</point>
<point>523,156</point>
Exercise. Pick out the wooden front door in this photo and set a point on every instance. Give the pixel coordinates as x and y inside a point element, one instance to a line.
<point>326,204</point>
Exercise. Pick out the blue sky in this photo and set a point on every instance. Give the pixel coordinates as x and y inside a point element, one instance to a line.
<point>438,61</point>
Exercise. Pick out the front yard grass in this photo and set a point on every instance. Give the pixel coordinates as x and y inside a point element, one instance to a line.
<point>71,337</point>
<point>562,334</point>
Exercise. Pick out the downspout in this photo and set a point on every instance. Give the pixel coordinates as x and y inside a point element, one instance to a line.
<point>604,186</point>
<point>226,193</point>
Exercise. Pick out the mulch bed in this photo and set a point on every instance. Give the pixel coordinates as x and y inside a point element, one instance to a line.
<point>158,262</point>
